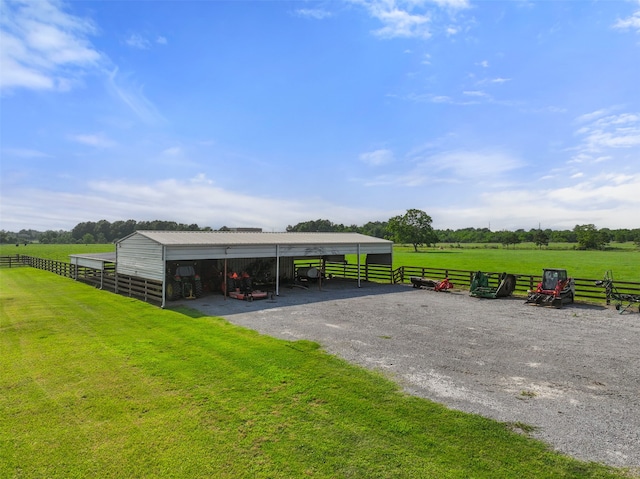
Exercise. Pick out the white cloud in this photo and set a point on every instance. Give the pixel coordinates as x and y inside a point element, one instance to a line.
<point>160,40</point>
<point>377,157</point>
<point>630,23</point>
<point>468,164</point>
<point>43,47</point>
<point>452,167</point>
<point>98,140</point>
<point>412,18</point>
<point>452,30</point>
<point>588,117</point>
<point>476,93</point>
<point>133,97</point>
<point>315,13</point>
<point>608,201</point>
<point>601,132</point>
<point>454,4</point>
<point>172,151</point>
<point>440,99</point>
<point>400,23</point>
<point>136,40</point>
<point>197,200</point>
<point>26,153</point>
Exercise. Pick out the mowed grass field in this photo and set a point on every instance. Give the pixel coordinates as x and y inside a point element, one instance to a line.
<point>58,252</point>
<point>623,259</point>
<point>99,385</point>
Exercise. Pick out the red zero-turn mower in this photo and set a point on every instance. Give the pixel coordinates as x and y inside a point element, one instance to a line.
<point>555,289</point>
<point>241,287</point>
<point>444,285</point>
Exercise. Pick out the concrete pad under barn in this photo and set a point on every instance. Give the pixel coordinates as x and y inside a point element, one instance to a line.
<point>572,373</point>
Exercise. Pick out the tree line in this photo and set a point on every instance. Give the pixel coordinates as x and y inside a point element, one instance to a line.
<point>414,227</point>
<point>89,232</point>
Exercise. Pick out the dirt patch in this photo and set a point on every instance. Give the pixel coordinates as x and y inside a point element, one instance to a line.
<point>571,376</point>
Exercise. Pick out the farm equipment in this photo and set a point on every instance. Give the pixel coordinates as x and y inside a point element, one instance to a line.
<point>623,301</point>
<point>480,286</point>
<point>241,287</point>
<point>555,289</point>
<point>183,283</point>
<point>419,282</point>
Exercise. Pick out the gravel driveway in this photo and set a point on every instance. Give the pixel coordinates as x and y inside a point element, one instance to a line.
<point>572,373</point>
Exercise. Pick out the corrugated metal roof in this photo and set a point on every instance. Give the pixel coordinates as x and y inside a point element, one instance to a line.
<point>104,257</point>
<point>217,238</point>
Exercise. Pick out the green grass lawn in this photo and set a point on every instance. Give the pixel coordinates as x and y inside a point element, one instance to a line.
<point>98,385</point>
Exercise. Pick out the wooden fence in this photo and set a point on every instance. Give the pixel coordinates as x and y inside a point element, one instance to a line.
<point>586,289</point>
<point>13,261</point>
<point>107,279</point>
<point>151,291</point>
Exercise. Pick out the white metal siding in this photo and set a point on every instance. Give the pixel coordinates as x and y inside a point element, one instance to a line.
<point>88,262</point>
<point>184,253</point>
<point>139,256</point>
<point>194,253</point>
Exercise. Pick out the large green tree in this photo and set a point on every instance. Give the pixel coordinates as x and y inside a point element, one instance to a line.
<point>414,227</point>
<point>589,237</point>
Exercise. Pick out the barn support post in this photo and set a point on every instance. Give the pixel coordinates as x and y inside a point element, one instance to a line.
<point>164,276</point>
<point>277,270</point>
<point>358,255</point>
<point>224,280</point>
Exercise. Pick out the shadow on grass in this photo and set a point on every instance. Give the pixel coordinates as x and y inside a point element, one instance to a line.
<point>190,312</point>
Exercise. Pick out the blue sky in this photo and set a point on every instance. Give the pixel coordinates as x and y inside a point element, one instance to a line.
<point>267,113</point>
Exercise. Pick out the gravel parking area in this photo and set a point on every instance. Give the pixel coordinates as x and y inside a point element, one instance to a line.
<point>572,373</point>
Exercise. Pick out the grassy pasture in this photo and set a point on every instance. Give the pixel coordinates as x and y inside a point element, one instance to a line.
<point>98,385</point>
<point>623,259</point>
<point>58,252</point>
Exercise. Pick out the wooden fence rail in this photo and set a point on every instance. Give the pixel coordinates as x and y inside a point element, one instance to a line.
<point>11,261</point>
<point>107,279</point>
<point>151,291</point>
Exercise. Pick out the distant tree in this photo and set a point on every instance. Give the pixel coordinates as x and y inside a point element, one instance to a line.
<point>314,226</point>
<point>8,237</point>
<point>563,236</point>
<point>414,227</point>
<point>589,237</point>
<point>507,238</point>
<point>88,239</point>
<point>378,229</point>
<point>120,229</point>
<point>540,238</point>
